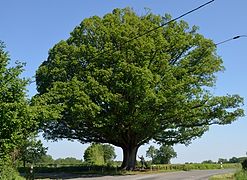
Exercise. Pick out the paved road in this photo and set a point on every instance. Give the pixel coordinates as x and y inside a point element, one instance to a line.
<point>183,175</point>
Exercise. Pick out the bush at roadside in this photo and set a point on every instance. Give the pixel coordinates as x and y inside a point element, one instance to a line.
<point>241,175</point>
<point>194,166</point>
<point>244,164</point>
<point>9,173</point>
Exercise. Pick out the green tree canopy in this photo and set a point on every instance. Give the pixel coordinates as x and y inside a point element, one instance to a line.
<point>208,162</point>
<point>234,160</point>
<point>94,155</point>
<point>109,153</point>
<point>105,85</point>
<point>99,154</point>
<point>164,154</point>
<point>32,150</point>
<point>222,160</point>
<point>46,159</point>
<point>68,160</point>
<point>151,152</point>
<point>16,121</point>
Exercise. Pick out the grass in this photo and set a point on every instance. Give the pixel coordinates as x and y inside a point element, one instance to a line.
<point>82,170</point>
<point>221,177</point>
<point>240,175</point>
<point>194,166</point>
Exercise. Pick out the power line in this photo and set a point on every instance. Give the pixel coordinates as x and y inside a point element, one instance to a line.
<point>172,20</point>
<point>179,17</point>
<point>233,38</point>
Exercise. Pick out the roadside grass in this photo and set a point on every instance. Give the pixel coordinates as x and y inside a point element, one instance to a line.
<point>81,170</point>
<point>239,175</point>
<point>222,177</point>
<point>194,166</point>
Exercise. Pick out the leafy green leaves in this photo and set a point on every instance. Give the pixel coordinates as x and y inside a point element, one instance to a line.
<point>15,115</point>
<point>99,154</point>
<point>105,85</point>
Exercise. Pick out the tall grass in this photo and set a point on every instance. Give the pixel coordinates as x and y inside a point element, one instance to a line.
<point>187,167</point>
<point>115,170</point>
<point>241,175</point>
<point>223,177</point>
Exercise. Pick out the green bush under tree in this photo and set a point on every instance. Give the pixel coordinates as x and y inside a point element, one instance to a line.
<point>99,154</point>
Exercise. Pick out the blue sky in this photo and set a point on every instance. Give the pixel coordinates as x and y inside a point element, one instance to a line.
<point>30,28</point>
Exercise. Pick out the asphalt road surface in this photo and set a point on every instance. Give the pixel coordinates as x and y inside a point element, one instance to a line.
<point>181,175</point>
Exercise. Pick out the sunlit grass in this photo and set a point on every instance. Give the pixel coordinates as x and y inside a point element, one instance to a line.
<point>222,176</point>
<point>240,175</point>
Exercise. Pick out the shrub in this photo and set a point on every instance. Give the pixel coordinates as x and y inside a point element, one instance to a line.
<point>7,172</point>
<point>244,164</point>
<point>241,175</point>
<point>187,167</point>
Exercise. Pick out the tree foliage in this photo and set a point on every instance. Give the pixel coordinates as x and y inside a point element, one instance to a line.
<point>208,162</point>
<point>222,160</point>
<point>32,151</point>
<point>163,155</point>
<point>67,160</point>
<point>46,159</point>
<point>109,153</point>
<point>244,164</point>
<point>16,120</point>
<point>234,160</point>
<point>105,85</point>
<point>151,152</point>
<point>99,154</point>
<point>15,115</point>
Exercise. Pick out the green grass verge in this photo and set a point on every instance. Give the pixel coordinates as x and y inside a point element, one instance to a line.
<point>111,170</point>
<point>195,166</point>
<point>240,175</point>
<point>222,177</point>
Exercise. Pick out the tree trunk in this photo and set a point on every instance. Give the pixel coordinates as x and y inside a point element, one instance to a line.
<point>24,163</point>
<point>129,157</point>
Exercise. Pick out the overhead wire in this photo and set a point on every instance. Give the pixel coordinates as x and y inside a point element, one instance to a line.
<point>166,23</point>
<point>172,20</point>
<point>233,38</point>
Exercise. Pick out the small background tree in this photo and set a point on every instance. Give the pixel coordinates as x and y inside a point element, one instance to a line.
<point>151,152</point>
<point>32,151</point>
<point>99,154</point>
<point>234,160</point>
<point>208,162</point>
<point>46,159</point>
<point>222,160</point>
<point>163,155</point>
<point>68,161</point>
<point>109,153</point>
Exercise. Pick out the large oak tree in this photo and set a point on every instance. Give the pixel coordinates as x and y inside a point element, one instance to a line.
<point>105,85</point>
